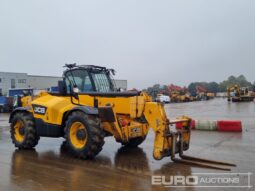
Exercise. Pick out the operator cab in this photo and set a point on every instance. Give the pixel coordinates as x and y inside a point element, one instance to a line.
<point>88,78</point>
<point>244,91</point>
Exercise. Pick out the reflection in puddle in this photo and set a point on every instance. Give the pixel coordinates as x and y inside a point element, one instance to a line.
<point>52,171</point>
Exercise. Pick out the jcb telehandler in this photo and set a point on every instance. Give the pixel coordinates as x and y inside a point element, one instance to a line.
<point>88,108</point>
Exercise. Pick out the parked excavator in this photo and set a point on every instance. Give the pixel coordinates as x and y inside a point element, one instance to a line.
<point>203,94</point>
<point>88,108</point>
<point>236,93</point>
<point>179,94</point>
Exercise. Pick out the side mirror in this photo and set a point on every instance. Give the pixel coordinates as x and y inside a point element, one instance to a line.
<point>62,88</point>
<point>75,92</point>
<point>120,90</point>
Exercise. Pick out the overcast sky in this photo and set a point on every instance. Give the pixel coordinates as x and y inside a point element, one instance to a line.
<point>147,42</point>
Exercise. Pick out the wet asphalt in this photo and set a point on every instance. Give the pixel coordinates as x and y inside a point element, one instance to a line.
<point>50,167</point>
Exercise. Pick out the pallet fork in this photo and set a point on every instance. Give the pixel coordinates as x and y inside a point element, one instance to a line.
<point>177,147</point>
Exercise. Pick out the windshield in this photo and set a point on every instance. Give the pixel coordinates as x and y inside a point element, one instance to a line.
<point>102,82</point>
<point>81,78</point>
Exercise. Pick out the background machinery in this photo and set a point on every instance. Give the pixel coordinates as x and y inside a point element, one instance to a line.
<point>179,94</point>
<point>203,94</point>
<point>5,104</point>
<point>236,93</point>
<point>87,108</point>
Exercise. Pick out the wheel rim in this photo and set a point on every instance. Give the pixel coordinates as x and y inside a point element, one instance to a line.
<point>78,135</point>
<point>19,131</point>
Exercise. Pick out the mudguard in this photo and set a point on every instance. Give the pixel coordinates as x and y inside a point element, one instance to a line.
<point>86,109</point>
<point>18,109</point>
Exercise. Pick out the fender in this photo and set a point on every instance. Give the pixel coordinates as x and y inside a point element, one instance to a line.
<point>18,109</point>
<point>105,113</point>
<point>85,109</point>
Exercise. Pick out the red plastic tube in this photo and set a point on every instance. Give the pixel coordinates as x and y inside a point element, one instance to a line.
<point>179,125</point>
<point>229,126</point>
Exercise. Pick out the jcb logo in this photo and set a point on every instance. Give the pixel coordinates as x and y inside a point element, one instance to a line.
<point>136,130</point>
<point>39,109</point>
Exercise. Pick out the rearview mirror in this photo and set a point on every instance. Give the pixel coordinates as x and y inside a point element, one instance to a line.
<point>75,90</point>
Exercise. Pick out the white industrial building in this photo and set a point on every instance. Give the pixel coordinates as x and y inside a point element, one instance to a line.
<point>10,80</point>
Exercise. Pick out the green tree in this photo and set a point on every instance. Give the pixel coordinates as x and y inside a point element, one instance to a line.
<point>210,87</point>
<point>154,90</point>
<point>192,88</point>
<point>213,87</point>
<point>232,80</point>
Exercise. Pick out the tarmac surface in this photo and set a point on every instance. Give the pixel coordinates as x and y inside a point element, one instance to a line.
<point>49,167</point>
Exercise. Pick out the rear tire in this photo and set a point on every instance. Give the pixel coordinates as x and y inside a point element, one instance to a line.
<point>23,132</point>
<point>84,135</point>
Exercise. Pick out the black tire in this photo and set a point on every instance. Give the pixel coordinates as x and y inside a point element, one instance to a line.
<point>135,142</point>
<point>94,135</point>
<point>30,137</point>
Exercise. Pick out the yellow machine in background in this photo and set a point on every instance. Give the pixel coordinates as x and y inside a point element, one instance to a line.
<point>88,108</point>
<point>178,97</point>
<point>210,95</point>
<point>236,93</point>
<point>185,98</point>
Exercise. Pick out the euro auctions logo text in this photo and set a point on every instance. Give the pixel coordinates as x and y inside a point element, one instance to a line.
<point>174,180</point>
<point>205,180</point>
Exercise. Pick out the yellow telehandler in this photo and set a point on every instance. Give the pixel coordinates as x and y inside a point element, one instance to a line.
<point>88,108</point>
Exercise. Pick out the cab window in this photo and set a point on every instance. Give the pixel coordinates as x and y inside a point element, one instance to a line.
<point>102,82</point>
<point>81,79</point>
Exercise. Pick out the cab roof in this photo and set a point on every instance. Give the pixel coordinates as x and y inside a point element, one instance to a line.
<point>88,67</point>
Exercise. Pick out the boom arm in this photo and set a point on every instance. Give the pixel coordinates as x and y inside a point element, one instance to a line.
<point>168,143</point>
<point>156,117</point>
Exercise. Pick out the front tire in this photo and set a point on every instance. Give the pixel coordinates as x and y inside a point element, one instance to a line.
<point>84,135</point>
<point>23,133</point>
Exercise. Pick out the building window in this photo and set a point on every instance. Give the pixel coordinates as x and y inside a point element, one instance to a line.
<point>13,83</point>
<point>22,81</point>
<point>0,80</point>
<point>1,93</point>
